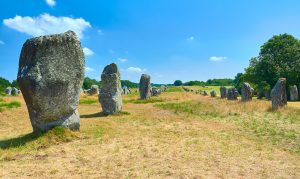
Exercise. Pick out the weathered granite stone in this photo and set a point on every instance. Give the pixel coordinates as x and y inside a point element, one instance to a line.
<point>247,92</point>
<point>204,93</point>
<point>232,94</point>
<point>8,90</point>
<point>50,75</point>
<point>155,91</point>
<point>223,92</point>
<point>14,91</point>
<point>278,94</point>
<point>145,86</point>
<point>213,94</point>
<point>110,95</point>
<point>94,90</point>
<point>294,96</point>
<point>125,90</point>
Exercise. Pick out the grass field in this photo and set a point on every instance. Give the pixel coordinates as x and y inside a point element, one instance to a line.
<point>175,135</point>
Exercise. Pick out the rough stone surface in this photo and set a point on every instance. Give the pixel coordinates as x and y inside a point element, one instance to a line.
<point>247,92</point>
<point>278,94</point>
<point>232,94</point>
<point>155,91</point>
<point>204,93</point>
<point>14,91</point>
<point>213,93</point>
<point>50,75</point>
<point>110,95</point>
<point>125,90</point>
<point>145,86</point>
<point>294,96</point>
<point>8,90</point>
<point>223,92</point>
<point>94,90</point>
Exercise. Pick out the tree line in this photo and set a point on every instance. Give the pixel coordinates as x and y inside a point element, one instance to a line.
<point>210,82</point>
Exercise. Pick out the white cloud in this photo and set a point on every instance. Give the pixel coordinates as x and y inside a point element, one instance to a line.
<point>217,59</point>
<point>136,70</point>
<point>51,3</point>
<point>192,38</point>
<point>88,69</point>
<point>100,32</point>
<point>122,60</point>
<point>46,24</point>
<point>1,42</point>
<point>87,51</point>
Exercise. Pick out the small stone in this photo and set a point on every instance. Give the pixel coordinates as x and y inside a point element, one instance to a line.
<point>232,94</point>
<point>278,94</point>
<point>14,91</point>
<point>145,86</point>
<point>155,91</point>
<point>94,90</point>
<point>213,94</point>
<point>8,91</point>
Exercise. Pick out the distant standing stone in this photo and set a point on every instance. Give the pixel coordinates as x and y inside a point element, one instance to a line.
<point>213,93</point>
<point>145,86</point>
<point>94,90</point>
<point>246,92</point>
<point>14,91</point>
<point>110,95</point>
<point>278,94</point>
<point>125,90</point>
<point>232,94</point>
<point>8,90</point>
<point>205,93</point>
<point>223,92</point>
<point>155,91</point>
<point>294,93</point>
<point>50,75</point>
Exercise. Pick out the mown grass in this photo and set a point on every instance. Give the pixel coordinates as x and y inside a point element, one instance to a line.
<point>146,101</point>
<point>4,105</point>
<point>174,89</point>
<point>279,128</point>
<point>88,101</point>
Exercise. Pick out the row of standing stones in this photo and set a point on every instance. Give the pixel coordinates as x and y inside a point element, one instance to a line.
<point>50,76</point>
<point>12,91</point>
<point>278,93</point>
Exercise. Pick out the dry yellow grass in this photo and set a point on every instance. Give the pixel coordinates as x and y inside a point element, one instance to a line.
<point>151,142</point>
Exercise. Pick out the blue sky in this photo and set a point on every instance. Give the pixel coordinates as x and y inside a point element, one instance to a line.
<point>168,39</point>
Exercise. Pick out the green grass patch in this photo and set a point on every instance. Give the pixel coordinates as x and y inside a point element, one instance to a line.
<point>174,89</point>
<point>273,127</point>
<point>88,101</point>
<point>146,101</point>
<point>10,105</point>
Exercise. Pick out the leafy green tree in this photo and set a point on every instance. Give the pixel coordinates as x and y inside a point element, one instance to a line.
<point>4,83</point>
<point>178,83</point>
<point>129,84</point>
<point>88,82</point>
<point>15,84</point>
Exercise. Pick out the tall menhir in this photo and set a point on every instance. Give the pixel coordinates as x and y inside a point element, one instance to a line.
<point>50,75</point>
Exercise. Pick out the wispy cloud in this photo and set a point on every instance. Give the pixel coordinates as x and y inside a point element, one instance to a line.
<point>111,51</point>
<point>1,42</point>
<point>191,38</point>
<point>136,70</point>
<point>100,32</point>
<point>122,60</point>
<point>47,24</point>
<point>51,3</point>
<point>217,59</point>
<point>87,51</point>
<point>88,69</point>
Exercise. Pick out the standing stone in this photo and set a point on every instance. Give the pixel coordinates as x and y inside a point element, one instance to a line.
<point>50,75</point>
<point>110,95</point>
<point>94,90</point>
<point>278,94</point>
<point>246,92</point>
<point>223,92</point>
<point>213,94</point>
<point>145,86</point>
<point>125,90</point>
<point>204,93</point>
<point>14,91</point>
<point>294,93</point>
<point>155,91</point>
<point>8,91</point>
<point>232,94</point>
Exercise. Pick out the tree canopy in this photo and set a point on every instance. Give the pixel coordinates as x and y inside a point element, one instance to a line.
<point>178,83</point>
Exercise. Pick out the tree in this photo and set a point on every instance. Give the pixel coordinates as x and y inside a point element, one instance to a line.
<point>88,82</point>
<point>4,83</point>
<point>129,84</point>
<point>15,84</point>
<point>278,57</point>
<point>178,83</point>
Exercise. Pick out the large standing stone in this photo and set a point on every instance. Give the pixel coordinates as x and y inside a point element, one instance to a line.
<point>232,94</point>
<point>223,92</point>
<point>246,92</point>
<point>50,75</point>
<point>145,86</point>
<point>110,95</point>
<point>294,96</point>
<point>8,90</point>
<point>213,94</point>
<point>278,94</point>
<point>94,90</point>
